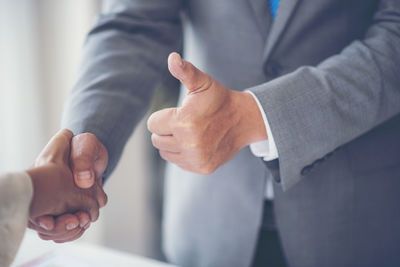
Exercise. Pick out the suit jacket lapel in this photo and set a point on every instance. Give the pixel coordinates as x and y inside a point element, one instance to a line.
<point>263,20</point>
<point>285,11</point>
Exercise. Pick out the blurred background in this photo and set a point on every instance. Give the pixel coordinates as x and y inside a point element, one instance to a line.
<point>40,45</point>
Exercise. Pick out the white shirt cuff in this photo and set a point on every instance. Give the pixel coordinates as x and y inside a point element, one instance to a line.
<point>265,148</point>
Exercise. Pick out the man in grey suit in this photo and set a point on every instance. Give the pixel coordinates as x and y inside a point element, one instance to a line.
<point>324,77</point>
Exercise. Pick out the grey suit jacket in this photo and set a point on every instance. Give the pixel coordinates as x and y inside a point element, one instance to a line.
<point>327,75</point>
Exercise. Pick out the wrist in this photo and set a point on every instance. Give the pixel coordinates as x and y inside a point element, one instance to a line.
<point>40,181</point>
<point>250,126</point>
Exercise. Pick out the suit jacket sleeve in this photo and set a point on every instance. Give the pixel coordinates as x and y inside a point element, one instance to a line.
<point>124,59</point>
<point>16,192</point>
<point>315,110</point>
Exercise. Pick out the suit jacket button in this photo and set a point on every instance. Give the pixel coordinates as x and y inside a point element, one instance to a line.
<point>306,170</point>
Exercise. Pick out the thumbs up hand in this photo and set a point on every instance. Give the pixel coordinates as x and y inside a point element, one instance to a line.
<point>213,124</point>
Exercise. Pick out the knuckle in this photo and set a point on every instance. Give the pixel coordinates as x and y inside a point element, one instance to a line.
<point>87,135</point>
<point>207,169</point>
<point>150,123</point>
<point>193,142</point>
<point>163,155</point>
<point>154,140</point>
<point>203,154</point>
<point>67,132</point>
<point>84,217</point>
<point>64,138</point>
<point>103,200</point>
<point>94,218</point>
<point>94,213</point>
<point>194,146</point>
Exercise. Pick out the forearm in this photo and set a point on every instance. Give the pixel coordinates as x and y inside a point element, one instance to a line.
<point>314,110</point>
<point>124,60</point>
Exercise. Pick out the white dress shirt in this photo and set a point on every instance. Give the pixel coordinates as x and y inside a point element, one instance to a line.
<point>265,149</point>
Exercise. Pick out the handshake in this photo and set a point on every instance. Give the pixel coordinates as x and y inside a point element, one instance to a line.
<point>213,124</point>
<point>67,185</point>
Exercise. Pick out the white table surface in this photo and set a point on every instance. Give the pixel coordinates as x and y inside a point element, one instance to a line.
<point>33,248</point>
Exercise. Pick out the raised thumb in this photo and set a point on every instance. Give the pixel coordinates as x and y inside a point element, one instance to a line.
<point>194,79</point>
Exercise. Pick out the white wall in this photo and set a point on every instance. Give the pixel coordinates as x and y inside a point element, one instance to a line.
<point>21,132</point>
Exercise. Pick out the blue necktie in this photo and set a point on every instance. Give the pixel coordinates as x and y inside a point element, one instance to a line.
<point>274,7</point>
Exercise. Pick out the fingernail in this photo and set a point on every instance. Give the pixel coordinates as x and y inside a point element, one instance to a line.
<point>84,223</point>
<point>85,175</point>
<point>71,226</point>
<point>44,226</point>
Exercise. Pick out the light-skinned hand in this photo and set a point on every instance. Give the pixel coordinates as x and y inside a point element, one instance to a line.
<point>213,124</point>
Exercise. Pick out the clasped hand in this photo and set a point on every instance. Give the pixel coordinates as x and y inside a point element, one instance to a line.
<point>210,127</point>
<point>60,210</point>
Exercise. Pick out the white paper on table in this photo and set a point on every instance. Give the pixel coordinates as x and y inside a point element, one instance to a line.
<point>58,259</point>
